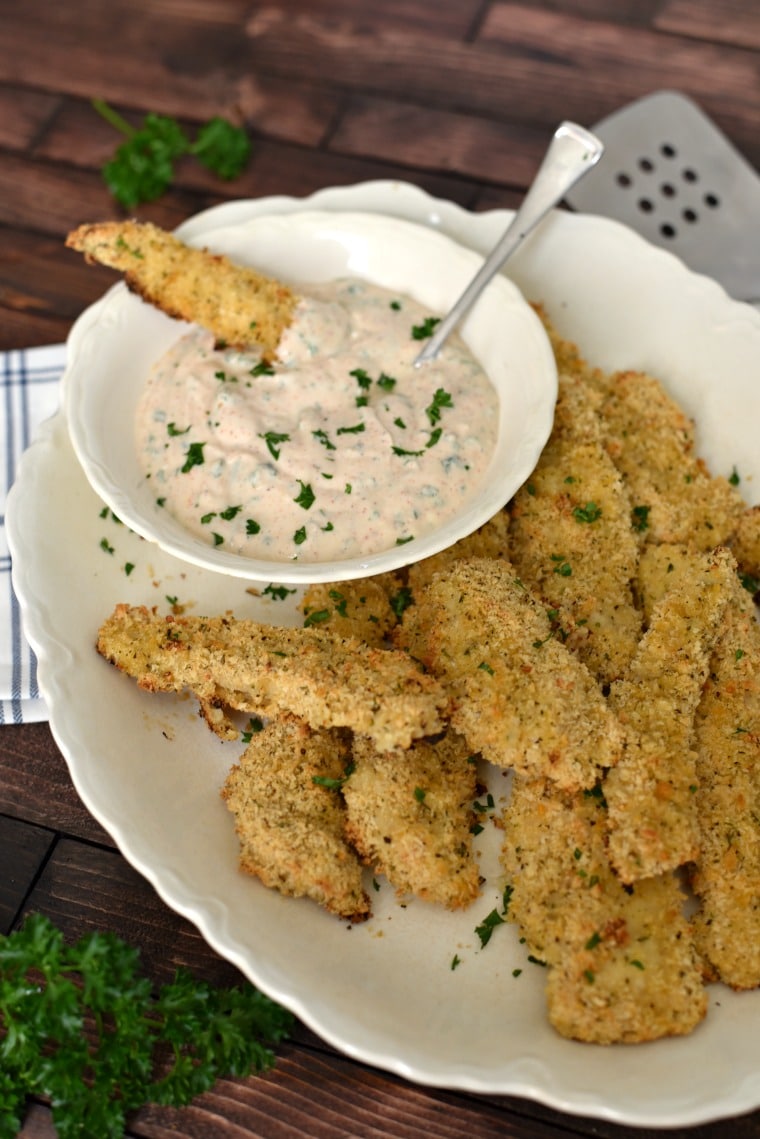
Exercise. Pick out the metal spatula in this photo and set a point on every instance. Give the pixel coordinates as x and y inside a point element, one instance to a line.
<point>671,174</point>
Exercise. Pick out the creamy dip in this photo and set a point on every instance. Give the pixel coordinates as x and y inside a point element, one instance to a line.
<point>341,449</point>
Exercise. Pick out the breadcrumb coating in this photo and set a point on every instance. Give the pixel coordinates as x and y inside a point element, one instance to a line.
<point>651,441</point>
<point>572,541</point>
<point>329,681</point>
<point>726,876</point>
<point>410,815</point>
<point>243,308</point>
<point>289,819</point>
<point>519,696</point>
<point>621,964</point>
<point>653,822</point>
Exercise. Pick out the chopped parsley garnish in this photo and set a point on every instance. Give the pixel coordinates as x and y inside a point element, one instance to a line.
<point>387,383</point>
<point>426,329</point>
<point>255,725</point>
<point>252,526</point>
<point>172,429</point>
<point>324,439</point>
<point>193,457</point>
<point>640,518</point>
<point>487,926</point>
<point>403,541</point>
<point>401,601</point>
<point>262,369</point>
<point>562,566</point>
<point>218,539</point>
<point>224,378</point>
<point>355,430</point>
<point>106,546</point>
<point>440,400</point>
<point>128,567</point>
<point>206,518</point>
<point>588,513</point>
<point>333,784</point>
<point>230,512</point>
<point>305,497</point>
<point>316,617</point>
<point>276,592</point>
<point>273,440</point>
<point>362,377</point>
<point>300,536</point>
<point>419,794</point>
<point>734,478</point>
<point>484,666</point>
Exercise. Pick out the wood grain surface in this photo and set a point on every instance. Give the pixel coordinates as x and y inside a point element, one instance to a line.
<point>457,96</point>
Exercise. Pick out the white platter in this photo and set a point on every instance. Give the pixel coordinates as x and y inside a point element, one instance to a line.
<point>116,341</point>
<point>149,770</point>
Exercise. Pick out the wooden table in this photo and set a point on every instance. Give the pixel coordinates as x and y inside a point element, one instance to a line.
<point>458,96</point>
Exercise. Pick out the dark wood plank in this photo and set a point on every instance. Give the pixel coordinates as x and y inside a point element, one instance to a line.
<point>85,887</point>
<point>23,849</point>
<point>35,784</point>
<point>23,115</point>
<point>730,22</point>
<point>606,66</point>
<point>491,151</point>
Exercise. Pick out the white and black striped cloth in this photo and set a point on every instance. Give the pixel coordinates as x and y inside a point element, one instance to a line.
<point>29,394</point>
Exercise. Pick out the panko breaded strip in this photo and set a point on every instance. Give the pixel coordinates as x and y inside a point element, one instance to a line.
<point>726,877</point>
<point>622,967</point>
<point>519,696</point>
<point>291,828</point>
<point>653,824</point>
<point>491,540</point>
<point>572,543</point>
<point>662,567</point>
<point>328,681</point>
<point>410,816</point>
<point>651,441</point>
<point>364,608</point>
<point>242,308</point>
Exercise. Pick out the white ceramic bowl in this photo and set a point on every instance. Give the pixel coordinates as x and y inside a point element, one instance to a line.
<point>115,342</point>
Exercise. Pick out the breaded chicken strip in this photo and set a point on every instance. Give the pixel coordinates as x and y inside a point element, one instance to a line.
<point>519,696</point>
<point>653,824</point>
<point>243,308</point>
<point>622,967</point>
<point>410,816</point>
<point>491,540</point>
<point>727,872</point>
<point>290,820</point>
<point>571,539</point>
<point>328,681</point>
<point>651,441</point>
<point>365,608</point>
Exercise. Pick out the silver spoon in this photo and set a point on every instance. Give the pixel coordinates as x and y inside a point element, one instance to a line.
<point>571,154</point>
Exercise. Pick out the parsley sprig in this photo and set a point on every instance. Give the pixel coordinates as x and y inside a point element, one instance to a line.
<point>142,168</point>
<point>137,1047</point>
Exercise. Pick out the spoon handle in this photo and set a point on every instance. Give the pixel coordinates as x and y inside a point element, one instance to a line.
<point>571,154</point>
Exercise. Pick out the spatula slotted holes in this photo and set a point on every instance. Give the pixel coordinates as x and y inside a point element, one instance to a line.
<point>673,190</point>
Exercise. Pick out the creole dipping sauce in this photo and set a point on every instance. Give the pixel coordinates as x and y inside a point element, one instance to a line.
<point>342,448</point>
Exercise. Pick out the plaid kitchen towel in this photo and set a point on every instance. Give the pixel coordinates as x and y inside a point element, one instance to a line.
<point>29,394</point>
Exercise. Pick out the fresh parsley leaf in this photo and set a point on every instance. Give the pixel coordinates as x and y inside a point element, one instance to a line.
<point>142,168</point>
<point>193,457</point>
<point>80,1026</point>
<point>222,148</point>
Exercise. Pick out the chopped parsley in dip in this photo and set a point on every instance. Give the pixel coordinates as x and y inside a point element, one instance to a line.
<point>340,448</point>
